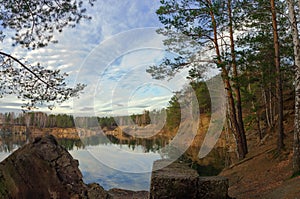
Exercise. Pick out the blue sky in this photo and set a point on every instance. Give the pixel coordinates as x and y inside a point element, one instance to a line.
<point>115,72</point>
<point>110,54</point>
<point>114,166</point>
<point>90,53</point>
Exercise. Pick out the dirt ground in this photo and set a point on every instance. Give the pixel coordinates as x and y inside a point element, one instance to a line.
<point>265,173</point>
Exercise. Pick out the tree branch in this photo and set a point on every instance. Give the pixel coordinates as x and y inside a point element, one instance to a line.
<point>23,65</point>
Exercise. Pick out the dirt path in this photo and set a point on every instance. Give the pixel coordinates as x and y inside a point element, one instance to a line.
<point>264,173</point>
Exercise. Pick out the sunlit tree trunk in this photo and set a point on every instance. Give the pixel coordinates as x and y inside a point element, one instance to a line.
<point>296,43</point>
<point>231,103</point>
<point>279,97</point>
<point>236,86</point>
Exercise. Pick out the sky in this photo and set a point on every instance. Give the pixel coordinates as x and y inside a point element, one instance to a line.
<point>110,54</point>
<point>113,166</point>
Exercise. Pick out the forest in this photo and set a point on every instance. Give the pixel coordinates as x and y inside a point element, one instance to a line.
<point>254,44</point>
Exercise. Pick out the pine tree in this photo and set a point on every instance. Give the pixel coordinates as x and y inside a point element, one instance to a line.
<point>196,26</point>
<point>33,24</point>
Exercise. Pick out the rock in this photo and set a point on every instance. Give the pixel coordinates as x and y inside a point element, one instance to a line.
<point>173,181</point>
<point>213,187</point>
<point>127,194</point>
<point>177,180</point>
<point>96,191</point>
<point>44,169</point>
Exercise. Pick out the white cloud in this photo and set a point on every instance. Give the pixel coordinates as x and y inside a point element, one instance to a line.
<point>106,168</point>
<point>108,18</point>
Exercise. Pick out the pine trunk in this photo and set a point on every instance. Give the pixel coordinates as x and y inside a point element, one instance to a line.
<point>296,43</point>
<point>233,117</point>
<point>225,75</point>
<point>279,97</point>
<point>236,86</point>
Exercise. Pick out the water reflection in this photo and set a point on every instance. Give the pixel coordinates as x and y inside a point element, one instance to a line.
<point>71,144</point>
<point>145,145</point>
<point>102,169</point>
<point>112,162</point>
<point>95,171</point>
<point>9,142</point>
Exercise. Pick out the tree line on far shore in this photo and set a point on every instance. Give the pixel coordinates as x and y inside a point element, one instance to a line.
<point>169,116</point>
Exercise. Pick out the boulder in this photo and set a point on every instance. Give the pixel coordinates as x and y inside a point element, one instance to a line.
<point>44,169</point>
<point>214,187</point>
<point>177,180</point>
<point>127,194</point>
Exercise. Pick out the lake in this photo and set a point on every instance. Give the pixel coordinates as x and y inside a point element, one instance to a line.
<point>114,163</point>
<point>125,165</point>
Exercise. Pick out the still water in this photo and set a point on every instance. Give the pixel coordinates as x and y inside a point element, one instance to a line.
<point>125,165</point>
<point>113,163</point>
